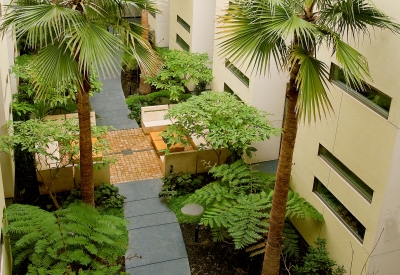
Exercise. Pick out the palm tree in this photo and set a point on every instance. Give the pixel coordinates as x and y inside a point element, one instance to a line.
<point>290,32</point>
<point>72,40</point>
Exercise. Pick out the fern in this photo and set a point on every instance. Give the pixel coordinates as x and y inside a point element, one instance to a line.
<point>240,177</point>
<point>298,207</point>
<point>67,240</point>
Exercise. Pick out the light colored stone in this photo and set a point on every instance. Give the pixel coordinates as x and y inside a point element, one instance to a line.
<point>192,209</point>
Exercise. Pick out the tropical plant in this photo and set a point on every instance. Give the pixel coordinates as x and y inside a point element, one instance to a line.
<point>317,262</point>
<point>72,40</point>
<point>73,240</point>
<point>290,32</point>
<point>51,142</point>
<point>181,68</point>
<point>238,205</point>
<point>179,184</point>
<point>221,120</point>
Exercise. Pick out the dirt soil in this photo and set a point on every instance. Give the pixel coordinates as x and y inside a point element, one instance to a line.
<point>209,258</point>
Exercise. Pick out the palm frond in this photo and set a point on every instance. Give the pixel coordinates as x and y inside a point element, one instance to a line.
<point>97,48</point>
<point>311,82</point>
<point>53,67</point>
<point>353,17</point>
<point>239,42</point>
<point>42,24</point>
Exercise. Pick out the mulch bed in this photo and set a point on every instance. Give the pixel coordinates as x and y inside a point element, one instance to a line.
<point>221,258</point>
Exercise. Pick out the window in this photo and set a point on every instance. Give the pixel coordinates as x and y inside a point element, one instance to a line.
<point>346,173</point>
<point>152,14</point>
<point>339,210</point>
<point>182,43</point>
<point>242,77</point>
<point>228,89</point>
<point>371,97</point>
<point>183,23</point>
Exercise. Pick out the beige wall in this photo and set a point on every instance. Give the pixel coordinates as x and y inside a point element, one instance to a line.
<point>7,88</point>
<point>160,24</point>
<point>369,145</point>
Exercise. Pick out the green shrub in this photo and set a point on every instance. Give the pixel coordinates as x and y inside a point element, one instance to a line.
<point>317,262</point>
<point>179,184</point>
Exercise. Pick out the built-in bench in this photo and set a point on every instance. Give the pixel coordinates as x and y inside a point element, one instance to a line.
<point>153,118</point>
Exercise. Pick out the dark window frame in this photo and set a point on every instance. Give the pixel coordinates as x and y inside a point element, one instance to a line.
<point>380,103</point>
<point>182,43</point>
<point>183,23</point>
<point>339,210</point>
<point>238,73</point>
<point>349,176</point>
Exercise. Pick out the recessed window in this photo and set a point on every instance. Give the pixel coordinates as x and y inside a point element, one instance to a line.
<point>358,184</point>
<point>371,97</point>
<point>182,43</point>
<point>339,210</point>
<point>241,76</point>
<point>228,89</point>
<point>183,23</point>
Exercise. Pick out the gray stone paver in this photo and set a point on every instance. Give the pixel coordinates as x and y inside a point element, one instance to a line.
<point>154,232</point>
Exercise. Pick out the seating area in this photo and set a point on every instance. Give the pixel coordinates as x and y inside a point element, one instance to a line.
<point>153,118</point>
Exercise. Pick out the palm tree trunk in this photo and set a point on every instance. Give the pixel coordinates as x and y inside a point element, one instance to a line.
<point>85,143</point>
<point>144,88</point>
<point>273,249</point>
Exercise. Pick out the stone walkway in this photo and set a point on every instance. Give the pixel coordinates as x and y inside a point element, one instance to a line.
<point>154,232</point>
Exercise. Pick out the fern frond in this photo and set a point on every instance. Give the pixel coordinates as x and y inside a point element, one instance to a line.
<point>298,207</point>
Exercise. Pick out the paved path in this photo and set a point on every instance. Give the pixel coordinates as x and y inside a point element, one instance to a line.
<point>154,232</point>
<point>110,106</point>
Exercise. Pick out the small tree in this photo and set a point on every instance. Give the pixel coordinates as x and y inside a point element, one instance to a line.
<point>180,69</point>
<point>222,120</point>
<point>54,144</point>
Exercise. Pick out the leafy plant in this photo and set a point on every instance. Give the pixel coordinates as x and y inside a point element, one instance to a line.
<point>67,241</point>
<point>317,262</point>
<point>237,206</point>
<point>179,69</point>
<point>179,184</point>
<point>107,199</point>
<point>221,120</point>
<point>36,136</point>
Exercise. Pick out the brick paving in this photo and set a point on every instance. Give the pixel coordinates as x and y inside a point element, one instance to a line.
<point>136,158</point>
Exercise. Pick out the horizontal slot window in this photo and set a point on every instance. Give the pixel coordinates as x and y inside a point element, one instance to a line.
<point>339,210</point>
<point>183,23</point>
<point>228,89</point>
<point>369,96</point>
<point>358,184</point>
<point>182,43</point>
<point>238,73</point>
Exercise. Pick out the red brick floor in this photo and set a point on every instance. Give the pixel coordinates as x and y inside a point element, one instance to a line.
<point>136,158</point>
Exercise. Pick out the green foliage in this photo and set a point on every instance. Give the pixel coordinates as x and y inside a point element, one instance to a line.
<point>62,98</point>
<point>66,241</point>
<point>317,262</point>
<point>179,184</point>
<point>220,119</point>
<point>130,61</point>
<point>239,203</point>
<point>176,204</point>
<point>181,68</point>
<point>106,199</point>
<point>135,102</point>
